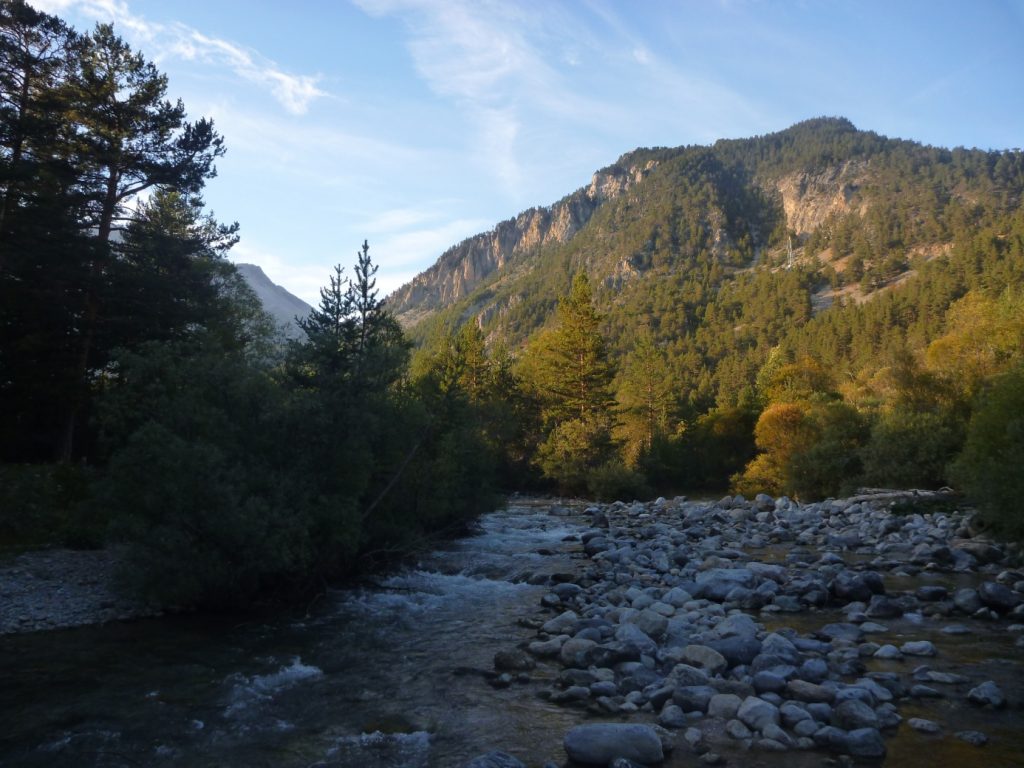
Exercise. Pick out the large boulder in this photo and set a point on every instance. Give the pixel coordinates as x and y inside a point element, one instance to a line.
<point>601,743</point>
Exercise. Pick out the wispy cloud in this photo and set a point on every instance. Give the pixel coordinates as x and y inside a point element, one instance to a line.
<point>293,92</point>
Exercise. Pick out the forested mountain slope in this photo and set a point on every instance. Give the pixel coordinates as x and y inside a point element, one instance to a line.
<point>726,251</point>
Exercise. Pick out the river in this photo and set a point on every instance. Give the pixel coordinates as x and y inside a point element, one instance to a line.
<point>390,676</point>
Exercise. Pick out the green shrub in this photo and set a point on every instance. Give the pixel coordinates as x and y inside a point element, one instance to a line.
<point>989,468</point>
<point>43,505</point>
<point>910,449</point>
<point>614,481</point>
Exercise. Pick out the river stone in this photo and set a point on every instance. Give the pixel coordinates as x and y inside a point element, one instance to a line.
<point>918,648</point>
<point>545,648</point>
<point>717,583</point>
<point>601,743</point>
<point>672,716</point>
<point>813,670</point>
<point>801,690</point>
<point>724,705</point>
<point>883,607</point>
<point>988,694</point>
<point>652,623</point>
<point>974,738</point>
<point>737,650</point>
<point>841,631</point>
<point>574,652</point>
<point>853,714</point>
<point>831,738</point>
<point>562,623</point>
<point>967,600</point>
<point>792,713</point>
<point>777,645</point>
<point>755,713</point>
<point>737,730</point>
<point>865,742</point>
<point>694,698</point>
<point>513,660</point>
<point>849,587</point>
<point>774,733</point>
<point>921,725</point>
<point>768,681</point>
<point>736,625</point>
<point>981,551</point>
<point>705,658</point>
<point>684,674</point>
<point>495,759</point>
<point>931,594</point>
<point>998,597</point>
<point>632,634</point>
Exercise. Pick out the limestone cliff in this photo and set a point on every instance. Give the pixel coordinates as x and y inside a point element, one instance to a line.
<point>461,268</point>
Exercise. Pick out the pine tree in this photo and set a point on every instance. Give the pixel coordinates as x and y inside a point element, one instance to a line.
<point>572,374</point>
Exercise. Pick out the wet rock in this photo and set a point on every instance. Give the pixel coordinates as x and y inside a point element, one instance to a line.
<point>717,583</point>
<point>974,738</point>
<point>694,698</point>
<point>865,742</point>
<point>853,714</point>
<point>918,648</point>
<point>888,652</point>
<point>513,661</point>
<point>921,725</point>
<point>841,631</point>
<point>988,694</point>
<point>705,658</point>
<point>737,650</point>
<point>495,759</point>
<point>967,600</point>
<point>574,652</point>
<point>883,607</point>
<point>601,743</point>
<point>685,675</point>
<point>755,713</point>
<point>931,594</point>
<point>724,705</point>
<point>563,623</point>
<point>672,716</point>
<point>998,597</point>
<point>738,730</point>
<point>801,690</point>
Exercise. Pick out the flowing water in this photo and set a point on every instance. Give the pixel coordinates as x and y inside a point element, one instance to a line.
<point>389,676</point>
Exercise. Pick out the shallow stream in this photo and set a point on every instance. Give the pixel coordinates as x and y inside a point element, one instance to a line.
<point>389,676</point>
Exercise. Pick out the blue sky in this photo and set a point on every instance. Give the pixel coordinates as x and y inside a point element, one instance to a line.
<point>414,124</point>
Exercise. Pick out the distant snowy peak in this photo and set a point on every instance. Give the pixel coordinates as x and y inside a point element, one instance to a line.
<point>281,305</point>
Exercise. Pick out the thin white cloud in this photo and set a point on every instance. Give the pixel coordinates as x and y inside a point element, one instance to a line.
<point>293,92</point>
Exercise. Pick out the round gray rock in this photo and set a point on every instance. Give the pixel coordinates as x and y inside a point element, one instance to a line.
<point>601,743</point>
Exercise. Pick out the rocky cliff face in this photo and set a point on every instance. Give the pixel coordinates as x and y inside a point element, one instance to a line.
<point>809,198</point>
<point>461,268</point>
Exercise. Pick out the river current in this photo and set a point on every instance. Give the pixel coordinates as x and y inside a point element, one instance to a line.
<point>392,675</point>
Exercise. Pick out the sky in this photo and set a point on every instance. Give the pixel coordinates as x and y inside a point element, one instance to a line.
<point>413,124</point>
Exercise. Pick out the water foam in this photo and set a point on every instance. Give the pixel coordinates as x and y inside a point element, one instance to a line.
<point>251,690</point>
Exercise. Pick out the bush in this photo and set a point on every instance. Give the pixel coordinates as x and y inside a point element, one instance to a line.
<point>614,481</point>
<point>989,468</point>
<point>46,505</point>
<point>911,449</point>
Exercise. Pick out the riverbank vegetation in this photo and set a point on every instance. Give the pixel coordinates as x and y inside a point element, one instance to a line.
<point>148,400</point>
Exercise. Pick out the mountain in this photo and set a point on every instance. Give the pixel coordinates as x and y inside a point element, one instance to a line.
<point>726,251</point>
<point>278,302</point>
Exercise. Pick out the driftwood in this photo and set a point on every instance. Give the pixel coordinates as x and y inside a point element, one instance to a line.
<point>888,495</point>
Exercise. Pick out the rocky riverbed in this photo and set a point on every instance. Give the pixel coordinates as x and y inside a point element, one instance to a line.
<point>61,588</point>
<point>752,627</point>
